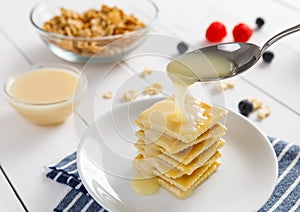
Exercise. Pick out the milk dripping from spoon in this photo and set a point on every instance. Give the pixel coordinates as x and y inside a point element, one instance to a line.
<point>215,63</point>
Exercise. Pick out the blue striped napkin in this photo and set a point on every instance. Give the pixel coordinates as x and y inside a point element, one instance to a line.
<point>285,197</point>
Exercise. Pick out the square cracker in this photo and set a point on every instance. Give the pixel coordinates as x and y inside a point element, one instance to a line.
<point>164,117</point>
<point>185,156</point>
<point>184,194</point>
<point>173,146</point>
<point>169,163</point>
<point>175,173</point>
<point>151,167</point>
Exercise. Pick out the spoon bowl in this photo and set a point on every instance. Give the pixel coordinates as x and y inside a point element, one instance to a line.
<point>220,61</point>
<point>242,55</point>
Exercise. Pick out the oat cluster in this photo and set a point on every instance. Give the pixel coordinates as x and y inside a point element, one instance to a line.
<point>92,23</point>
<point>154,89</point>
<point>263,111</point>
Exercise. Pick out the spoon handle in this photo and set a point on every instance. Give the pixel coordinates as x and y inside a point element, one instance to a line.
<point>278,37</point>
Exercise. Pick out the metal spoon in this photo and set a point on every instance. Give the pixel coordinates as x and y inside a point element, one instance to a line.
<point>241,55</point>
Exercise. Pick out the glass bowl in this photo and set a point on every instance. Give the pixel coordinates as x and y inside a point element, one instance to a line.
<point>102,48</point>
<point>46,112</point>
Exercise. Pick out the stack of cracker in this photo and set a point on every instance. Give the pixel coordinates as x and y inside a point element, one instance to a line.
<point>181,153</point>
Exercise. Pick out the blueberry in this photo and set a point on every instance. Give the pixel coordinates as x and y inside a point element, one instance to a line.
<point>245,107</point>
<point>259,22</point>
<point>268,56</point>
<point>182,47</point>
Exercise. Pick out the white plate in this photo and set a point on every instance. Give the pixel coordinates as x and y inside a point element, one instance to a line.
<point>244,181</point>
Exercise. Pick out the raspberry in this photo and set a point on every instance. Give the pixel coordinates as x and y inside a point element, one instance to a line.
<point>216,32</point>
<point>242,33</point>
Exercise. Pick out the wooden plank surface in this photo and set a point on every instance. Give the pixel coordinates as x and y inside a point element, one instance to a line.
<point>25,149</point>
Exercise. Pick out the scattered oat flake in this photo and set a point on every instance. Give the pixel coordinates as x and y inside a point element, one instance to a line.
<point>130,95</point>
<point>157,86</point>
<point>257,104</point>
<point>230,84</point>
<point>263,112</point>
<point>223,86</point>
<point>108,95</point>
<point>150,90</point>
<point>154,89</point>
<point>146,72</point>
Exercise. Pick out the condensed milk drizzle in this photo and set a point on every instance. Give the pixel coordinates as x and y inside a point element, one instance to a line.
<point>193,67</point>
<point>143,185</point>
<point>183,72</point>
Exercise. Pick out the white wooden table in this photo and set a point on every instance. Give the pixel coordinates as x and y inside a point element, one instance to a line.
<point>26,149</point>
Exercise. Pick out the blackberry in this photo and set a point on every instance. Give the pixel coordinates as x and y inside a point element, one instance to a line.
<point>182,47</point>
<point>259,22</point>
<point>268,56</point>
<point>245,107</point>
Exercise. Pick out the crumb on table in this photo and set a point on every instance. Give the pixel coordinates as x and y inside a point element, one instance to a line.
<point>224,85</point>
<point>257,104</point>
<point>263,112</point>
<point>154,89</point>
<point>108,95</point>
<point>130,95</point>
<point>146,72</point>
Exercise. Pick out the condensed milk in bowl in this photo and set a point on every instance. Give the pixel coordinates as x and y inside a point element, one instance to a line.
<point>46,95</point>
